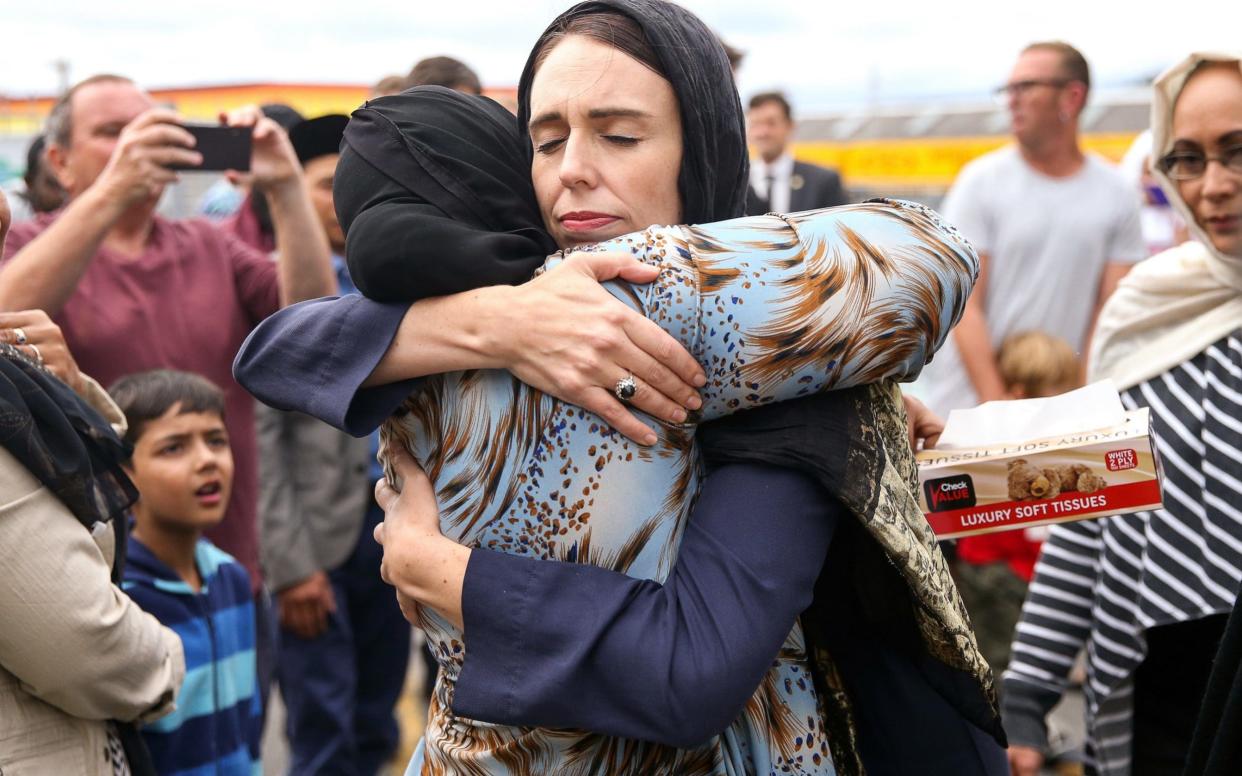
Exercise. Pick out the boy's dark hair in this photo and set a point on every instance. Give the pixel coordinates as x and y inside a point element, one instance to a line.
<point>145,396</point>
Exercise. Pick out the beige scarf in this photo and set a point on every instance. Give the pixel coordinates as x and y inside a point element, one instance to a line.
<point>1172,306</point>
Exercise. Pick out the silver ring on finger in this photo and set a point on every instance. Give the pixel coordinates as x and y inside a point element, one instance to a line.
<point>19,335</point>
<point>626,387</point>
<point>35,349</point>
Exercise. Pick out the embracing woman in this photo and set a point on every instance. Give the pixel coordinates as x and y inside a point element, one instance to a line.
<point>633,121</point>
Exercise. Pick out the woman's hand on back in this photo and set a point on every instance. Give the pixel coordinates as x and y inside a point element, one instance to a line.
<point>424,566</point>
<point>564,334</point>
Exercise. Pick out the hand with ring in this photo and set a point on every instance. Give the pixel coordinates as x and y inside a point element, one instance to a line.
<point>564,334</point>
<point>626,387</point>
<point>33,333</point>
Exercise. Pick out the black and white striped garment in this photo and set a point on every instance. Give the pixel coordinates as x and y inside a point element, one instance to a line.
<point>114,752</point>
<point>1102,583</point>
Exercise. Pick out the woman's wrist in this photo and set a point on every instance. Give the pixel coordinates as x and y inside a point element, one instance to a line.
<point>433,573</point>
<point>446,334</point>
<point>494,325</point>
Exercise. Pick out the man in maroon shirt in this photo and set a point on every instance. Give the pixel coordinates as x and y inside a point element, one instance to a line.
<point>134,291</point>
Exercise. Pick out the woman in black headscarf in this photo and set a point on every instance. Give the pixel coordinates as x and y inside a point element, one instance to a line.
<point>855,472</point>
<point>75,652</point>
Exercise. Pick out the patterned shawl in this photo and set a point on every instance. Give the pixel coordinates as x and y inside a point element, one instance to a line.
<point>893,565</point>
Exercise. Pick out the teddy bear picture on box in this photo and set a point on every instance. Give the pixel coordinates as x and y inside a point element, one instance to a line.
<point>1035,462</point>
<point>1031,482</point>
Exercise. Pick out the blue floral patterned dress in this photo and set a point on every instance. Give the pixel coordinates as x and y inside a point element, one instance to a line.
<point>773,308</point>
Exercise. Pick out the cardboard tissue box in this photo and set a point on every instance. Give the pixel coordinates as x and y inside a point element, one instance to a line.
<point>1018,464</point>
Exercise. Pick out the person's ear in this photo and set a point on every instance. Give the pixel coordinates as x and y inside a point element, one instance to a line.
<point>58,164</point>
<point>1073,99</point>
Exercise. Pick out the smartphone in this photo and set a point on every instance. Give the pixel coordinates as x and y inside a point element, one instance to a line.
<point>223,148</point>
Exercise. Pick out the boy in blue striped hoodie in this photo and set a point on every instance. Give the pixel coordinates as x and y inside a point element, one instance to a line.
<point>183,467</point>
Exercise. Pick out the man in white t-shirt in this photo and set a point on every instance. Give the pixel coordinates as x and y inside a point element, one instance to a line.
<point>1055,228</point>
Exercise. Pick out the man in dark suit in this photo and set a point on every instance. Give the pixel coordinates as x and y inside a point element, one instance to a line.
<point>779,184</point>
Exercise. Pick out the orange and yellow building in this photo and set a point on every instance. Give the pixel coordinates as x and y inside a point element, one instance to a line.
<point>915,151</point>
<point>24,116</point>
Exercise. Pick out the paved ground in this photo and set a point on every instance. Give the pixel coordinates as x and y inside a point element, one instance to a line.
<point>409,713</point>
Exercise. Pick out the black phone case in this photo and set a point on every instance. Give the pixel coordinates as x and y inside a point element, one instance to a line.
<point>223,148</point>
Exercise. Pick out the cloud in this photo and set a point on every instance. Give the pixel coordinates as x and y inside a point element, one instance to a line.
<point>825,54</point>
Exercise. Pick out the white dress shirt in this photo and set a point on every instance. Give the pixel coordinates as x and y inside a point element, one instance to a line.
<point>776,176</point>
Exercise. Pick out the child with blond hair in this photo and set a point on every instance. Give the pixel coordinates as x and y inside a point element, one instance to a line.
<point>993,570</point>
<point>1034,365</point>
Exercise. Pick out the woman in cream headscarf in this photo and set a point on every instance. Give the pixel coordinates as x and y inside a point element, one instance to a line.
<point>1148,594</point>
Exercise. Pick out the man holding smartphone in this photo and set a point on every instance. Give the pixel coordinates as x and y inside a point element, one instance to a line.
<point>134,291</point>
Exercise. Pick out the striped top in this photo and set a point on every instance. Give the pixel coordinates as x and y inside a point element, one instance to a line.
<point>1100,584</point>
<point>214,730</point>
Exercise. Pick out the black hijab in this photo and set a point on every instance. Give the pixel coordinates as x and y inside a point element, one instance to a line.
<point>64,443</point>
<point>433,191</point>
<point>714,164</point>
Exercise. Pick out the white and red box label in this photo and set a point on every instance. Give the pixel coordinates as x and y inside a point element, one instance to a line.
<point>1077,476</point>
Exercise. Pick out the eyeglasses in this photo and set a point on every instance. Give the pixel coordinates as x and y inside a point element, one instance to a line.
<point>1019,88</point>
<point>1188,165</point>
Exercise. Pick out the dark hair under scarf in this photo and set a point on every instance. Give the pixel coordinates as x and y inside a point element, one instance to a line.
<point>714,163</point>
<point>433,191</point>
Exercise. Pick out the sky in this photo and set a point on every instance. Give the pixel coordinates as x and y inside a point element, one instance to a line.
<point>827,55</point>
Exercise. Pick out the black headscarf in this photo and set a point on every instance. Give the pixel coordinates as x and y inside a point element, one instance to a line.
<point>714,164</point>
<point>433,191</point>
<point>63,442</point>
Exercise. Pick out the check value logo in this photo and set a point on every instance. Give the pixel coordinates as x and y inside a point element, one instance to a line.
<point>956,492</point>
